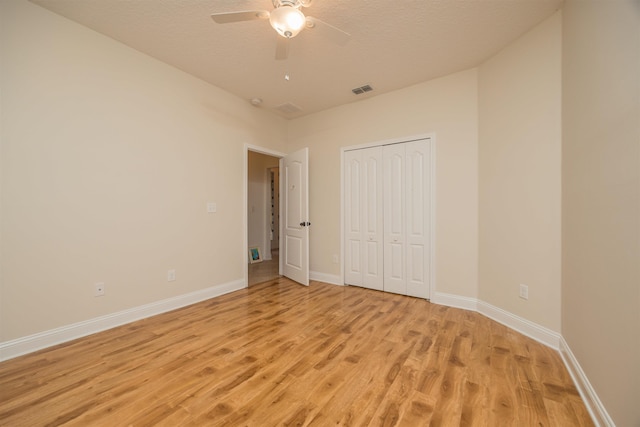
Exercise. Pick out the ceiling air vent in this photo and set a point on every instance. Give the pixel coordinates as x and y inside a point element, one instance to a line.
<point>288,108</point>
<point>362,89</point>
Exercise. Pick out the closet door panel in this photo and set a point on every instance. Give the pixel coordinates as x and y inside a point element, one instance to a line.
<point>416,270</point>
<point>417,218</point>
<point>394,219</point>
<point>372,268</point>
<point>372,214</point>
<point>353,218</point>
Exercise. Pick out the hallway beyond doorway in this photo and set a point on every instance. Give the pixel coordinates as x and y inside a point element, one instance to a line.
<point>265,270</point>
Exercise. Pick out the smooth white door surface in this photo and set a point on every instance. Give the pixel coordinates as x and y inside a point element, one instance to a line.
<point>363,217</point>
<point>353,217</point>
<point>417,218</point>
<point>394,218</point>
<point>372,215</point>
<point>295,199</point>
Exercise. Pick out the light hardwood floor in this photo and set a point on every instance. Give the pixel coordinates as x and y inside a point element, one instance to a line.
<point>279,353</point>
<point>265,270</point>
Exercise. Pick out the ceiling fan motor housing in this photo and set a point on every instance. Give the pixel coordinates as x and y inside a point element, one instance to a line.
<point>286,18</point>
<point>292,3</point>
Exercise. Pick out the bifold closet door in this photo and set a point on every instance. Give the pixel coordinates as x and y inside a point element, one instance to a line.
<point>372,212</point>
<point>364,218</point>
<point>387,218</point>
<point>352,218</point>
<point>406,218</point>
<point>394,219</point>
<point>418,220</point>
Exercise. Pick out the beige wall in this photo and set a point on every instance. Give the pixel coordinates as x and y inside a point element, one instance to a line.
<point>446,107</point>
<point>259,200</point>
<point>108,160</point>
<point>519,175</point>
<point>601,199</point>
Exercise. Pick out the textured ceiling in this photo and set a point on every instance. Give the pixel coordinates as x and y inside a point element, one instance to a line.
<point>394,44</point>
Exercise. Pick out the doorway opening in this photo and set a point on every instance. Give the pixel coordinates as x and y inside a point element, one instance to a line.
<point>263,216</point>
<point>293,227</point>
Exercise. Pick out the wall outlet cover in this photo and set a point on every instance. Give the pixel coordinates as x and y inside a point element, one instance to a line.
<point>99,289</point>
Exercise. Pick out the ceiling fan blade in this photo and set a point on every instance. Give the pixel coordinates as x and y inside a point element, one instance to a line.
<point>328,31</point>
<point>247,15</point>
<point>282,48</point>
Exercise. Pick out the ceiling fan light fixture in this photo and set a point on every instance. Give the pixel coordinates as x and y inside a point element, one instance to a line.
<point>288,21</point>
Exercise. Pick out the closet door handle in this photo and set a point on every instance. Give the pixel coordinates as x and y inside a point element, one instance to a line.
<point>305,224</point>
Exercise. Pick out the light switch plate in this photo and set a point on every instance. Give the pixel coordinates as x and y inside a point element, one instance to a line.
<point>524,291</point>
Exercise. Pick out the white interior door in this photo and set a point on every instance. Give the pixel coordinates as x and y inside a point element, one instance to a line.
<point>294,194</point>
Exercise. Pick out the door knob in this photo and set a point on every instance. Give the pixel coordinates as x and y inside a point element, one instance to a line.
<point>305,224</point>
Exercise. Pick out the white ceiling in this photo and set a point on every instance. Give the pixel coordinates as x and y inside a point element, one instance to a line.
<point>394,44</point>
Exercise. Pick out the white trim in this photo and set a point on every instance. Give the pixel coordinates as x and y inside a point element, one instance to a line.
<point>341,256</point>
<point>388,142</point>
<point>332,279</point>
<point>595,407</point>
<point>262,150</point>
<point>532,330</point>
<point>456,301</point>
<point>280,209</point>
<point>432,215</point>
<point>31,343</point>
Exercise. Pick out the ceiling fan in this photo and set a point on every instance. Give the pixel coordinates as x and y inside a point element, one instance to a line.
<point>288,20</point>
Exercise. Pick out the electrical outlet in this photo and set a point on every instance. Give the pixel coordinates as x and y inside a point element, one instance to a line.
<point>524,291</point>
<point>212,207</point>
<point>335,259</point>
<point>171,275</point>
<point>98,289</point>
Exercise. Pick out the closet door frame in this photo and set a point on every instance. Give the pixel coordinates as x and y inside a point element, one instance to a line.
<point>431,137</point>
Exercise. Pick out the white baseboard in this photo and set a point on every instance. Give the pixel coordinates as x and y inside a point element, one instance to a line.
<point>326,278</point>
<point>522,325</point>
<point>456,301</point>
<point>31,343</point>
<point>599,414</point>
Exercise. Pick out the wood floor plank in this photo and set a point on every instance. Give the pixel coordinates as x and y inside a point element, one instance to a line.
<point>278,353</point>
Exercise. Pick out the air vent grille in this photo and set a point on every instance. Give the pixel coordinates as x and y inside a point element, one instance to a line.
<point>362,89</point>
<point>288,108</point>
